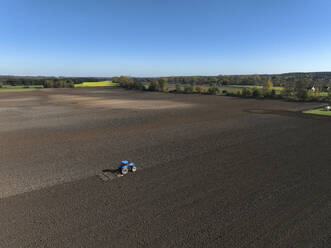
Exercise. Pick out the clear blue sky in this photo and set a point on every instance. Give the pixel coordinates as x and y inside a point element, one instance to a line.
<point>163,37</point>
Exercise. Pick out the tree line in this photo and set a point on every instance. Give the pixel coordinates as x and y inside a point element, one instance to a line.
<point>317,79</point>
<point>297,89</point>
<point>56,81</point>
<point>321,80</point>
<point>161,85</point>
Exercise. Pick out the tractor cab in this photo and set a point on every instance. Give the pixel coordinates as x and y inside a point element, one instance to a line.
<point>133,167</point>
<point>123,163</point>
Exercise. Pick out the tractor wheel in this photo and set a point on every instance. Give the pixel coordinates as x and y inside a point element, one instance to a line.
<point>133,168</point>
<point>124,171</point>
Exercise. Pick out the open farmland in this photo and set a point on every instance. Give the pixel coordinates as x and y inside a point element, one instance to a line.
<point>213,171</point>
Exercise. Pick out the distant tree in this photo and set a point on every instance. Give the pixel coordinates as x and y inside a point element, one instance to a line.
<point>273,93</point>
<point>155,86</point>
<point>213,90</point>
<point>300,90</point>
<point>258,93</point>
<point>48,84</point>
<point>188,89</point>
<point>267,87</point>
<point>199,89</point>
<point>213,80</point>
<point>328,92</point>
<point>246,92</point>
<point>256,80</point>
<point>69,83</point>
<point>244,80</point>
<point>116,80</point>
<point>138,86</point>
<point>124,81</point>
<point>193,86</point>
<point>195,80</point>
<point>163,84</point>
<point>299,86</point>
<point>304,95</point>
<point>288,89</point>
<point>178,88</point>
<point>225,81</point>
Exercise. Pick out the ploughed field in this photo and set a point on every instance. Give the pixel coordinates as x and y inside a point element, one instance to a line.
<point>212,171</point>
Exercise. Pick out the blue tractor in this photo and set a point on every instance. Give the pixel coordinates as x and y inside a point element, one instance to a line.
<point>125,167</point>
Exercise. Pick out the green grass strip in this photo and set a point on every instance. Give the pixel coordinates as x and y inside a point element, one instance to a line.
<point>318,112</point>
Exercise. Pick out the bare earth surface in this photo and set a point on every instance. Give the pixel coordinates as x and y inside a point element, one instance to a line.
<point>212,171</point>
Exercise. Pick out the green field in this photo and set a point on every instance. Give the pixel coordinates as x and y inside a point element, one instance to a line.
<point>236,88</point>
<point>96,84</point>
<point>277,88</point>
<point>318,112</point>
<point>9,88</point>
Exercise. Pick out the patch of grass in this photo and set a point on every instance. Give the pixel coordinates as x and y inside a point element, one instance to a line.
<point>230,89</point>
<point>321,93</point>
<point>277,88</point>
<point>96,84</point>
<point>318,112</point>
<point>9,88</point>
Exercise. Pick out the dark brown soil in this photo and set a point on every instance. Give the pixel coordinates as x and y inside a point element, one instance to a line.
<point>212,171</point>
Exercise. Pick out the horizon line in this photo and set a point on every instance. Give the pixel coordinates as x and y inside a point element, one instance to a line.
<point>249,74</point>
